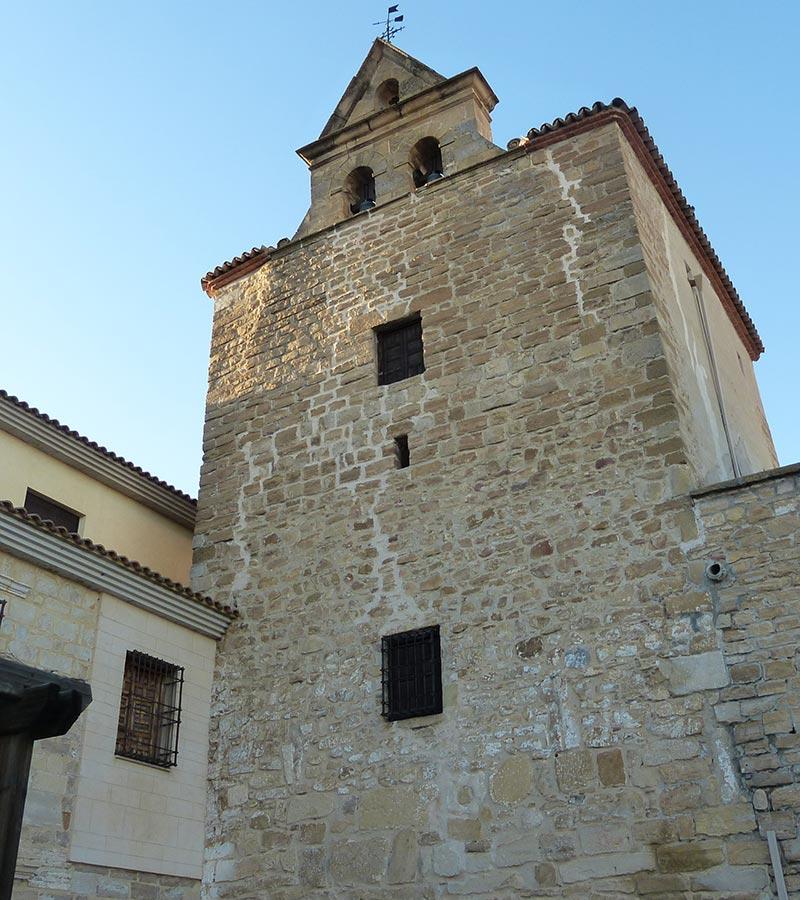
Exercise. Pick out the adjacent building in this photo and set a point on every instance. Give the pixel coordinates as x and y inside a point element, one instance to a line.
<point>488,478</point>
<point>94,565</point>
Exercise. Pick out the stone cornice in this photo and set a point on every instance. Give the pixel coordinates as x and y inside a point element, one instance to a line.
<point>471,81</point>
<point>734,484</point>
<point>26,425</point>
<point>101,573</point>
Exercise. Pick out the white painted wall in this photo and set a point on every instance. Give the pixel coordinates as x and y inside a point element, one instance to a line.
<point>128,814</point>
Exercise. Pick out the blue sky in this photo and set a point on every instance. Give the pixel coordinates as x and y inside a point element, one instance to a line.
<point>144,143</point>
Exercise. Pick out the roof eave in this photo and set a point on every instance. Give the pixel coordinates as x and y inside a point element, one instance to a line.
<point>44,544</point>
<point>638,136</point>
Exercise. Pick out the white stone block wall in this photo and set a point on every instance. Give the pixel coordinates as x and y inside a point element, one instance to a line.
<point>131,814</point>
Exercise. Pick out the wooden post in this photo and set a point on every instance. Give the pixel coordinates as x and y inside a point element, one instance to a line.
<point>34,704</point>
<point>15,764</point>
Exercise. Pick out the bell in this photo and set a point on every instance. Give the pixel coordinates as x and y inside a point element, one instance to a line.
<point>365,204</point>
<point>433,176</point>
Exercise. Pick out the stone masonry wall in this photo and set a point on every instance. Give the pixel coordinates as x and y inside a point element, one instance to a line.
<point>753,532</point>
<point>544,523</point>
<point>668,257</point>
<point>51,622</point>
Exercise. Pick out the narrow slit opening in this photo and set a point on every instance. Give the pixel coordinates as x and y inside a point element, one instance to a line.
<point>401,454</point>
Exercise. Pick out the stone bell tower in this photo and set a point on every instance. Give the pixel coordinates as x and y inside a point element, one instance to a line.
<point>459,433</point>
<point>379,129</point>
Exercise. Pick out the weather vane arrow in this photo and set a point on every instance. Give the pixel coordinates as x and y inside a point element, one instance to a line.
<point>391,28</point>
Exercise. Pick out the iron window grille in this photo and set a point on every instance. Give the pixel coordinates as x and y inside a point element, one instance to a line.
<point>411,674</point>
<point>400,352</point>
<point>51,511</point>
<point>150,710</point>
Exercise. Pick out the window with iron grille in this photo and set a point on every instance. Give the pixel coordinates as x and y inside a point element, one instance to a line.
<point>2,609</point>
<point>150,710</point>
<point>411,674</point>
<point>400,350</point>
<point>53,512</point>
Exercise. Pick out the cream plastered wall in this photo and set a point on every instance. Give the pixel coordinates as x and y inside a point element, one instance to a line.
<point>127,814</point>
<point>110,518</point>
<point>667,255</point>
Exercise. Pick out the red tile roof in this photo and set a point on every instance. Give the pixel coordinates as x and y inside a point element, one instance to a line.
<point>249,261</point>
<point>7,508</point>
<point>649,155</point>
<point>93,445</point>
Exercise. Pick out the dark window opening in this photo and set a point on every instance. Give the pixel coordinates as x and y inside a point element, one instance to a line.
<point>402,457</point>
<point>51,511</point>
<point>400,352</point>
<point>388,93</point>
<point>411,674</point>
<point>426,162</point>
<point>150,710</point>
<point>2,609</point>
<point>360,190</point>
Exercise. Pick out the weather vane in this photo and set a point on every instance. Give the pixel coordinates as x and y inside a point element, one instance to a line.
<point>392,27</point>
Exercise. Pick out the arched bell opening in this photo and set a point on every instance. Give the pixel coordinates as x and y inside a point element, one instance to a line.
<point>388,93</point>
<point>426,162</point>
<point>360,190</point>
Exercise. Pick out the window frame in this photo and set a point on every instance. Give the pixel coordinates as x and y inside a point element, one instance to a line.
<point>38,495</point>
<point>398,672</point>
<point>159,713</point>
<point>402,326</point>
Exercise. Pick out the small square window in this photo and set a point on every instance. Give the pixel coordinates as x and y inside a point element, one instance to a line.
<point>400,353</point>
<point>411,674</point>
<point>51,511</point>
<point>150,710</point>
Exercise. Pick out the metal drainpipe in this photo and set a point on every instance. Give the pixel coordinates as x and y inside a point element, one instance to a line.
<point>777,865</point>
<point>694,281</point>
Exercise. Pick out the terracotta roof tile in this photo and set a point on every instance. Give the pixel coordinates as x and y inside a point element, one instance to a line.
<point>93,445</point>
<point>240,265</point>
<point>7,508</point>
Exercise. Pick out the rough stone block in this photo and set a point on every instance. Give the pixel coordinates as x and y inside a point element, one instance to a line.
<point>404,858</point>
<point>513,781</point>
<point>391,807</point>
<point>611,767</point>
<point>358,862</point>
<point>309,806</point>
<point>574,771</point>
<point>464,829</point>
<point>720,820</point>
<point>786,797</point>
<point>731,879</point>
<point>546,875</point>
<point>311,869</point>
<point>745,672</point>
<point>603,838</point>
<point>606,866</point>
<point>448,860</point>
<point>689,857</point>
<point>312,833</point>
<point>515,853</point>
<point>661,885</point>
<point>701,672</point>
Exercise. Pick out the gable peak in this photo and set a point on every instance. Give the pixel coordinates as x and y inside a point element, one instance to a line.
<point>386,75</point>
